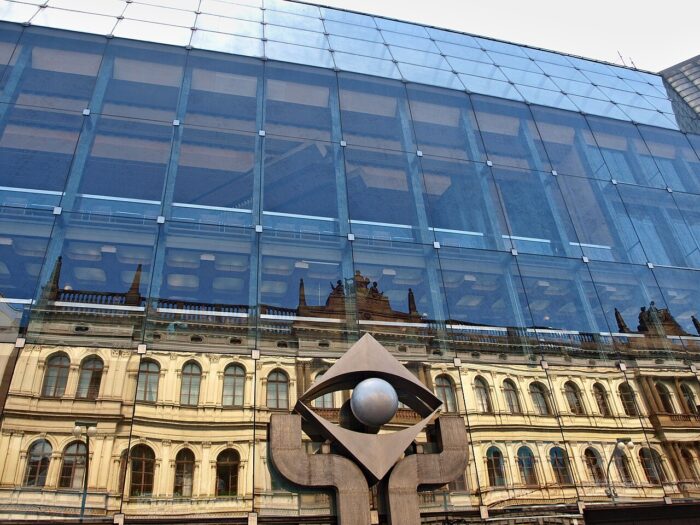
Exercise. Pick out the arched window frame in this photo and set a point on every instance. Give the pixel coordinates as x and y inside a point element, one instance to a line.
<point>228,464</point>
<point>559,460</point>
<point>56,375</point>
<point>90,378</point>
<point>510,393</point>
<point>495,467</point>
<point>184,473</point>
<point>190,382</point>
<point>690,399</point>
<point>572,393</point>
<point>73,465</point>
<point>527,467</point>
<point>326,400</point>
<point>445,392</point>
<point>277,394</point>
<point>624,469</point>
<point>38,461</point>
<point>148,381</point>
<point>627,398</point>
<point>482,396</point>
<point>233,394</point>
<point>652,466</point>
<point>143,465</point>
<point>594,463</point>
<point>540,398</point>
<point>601,398</point>
<point>665,397</point>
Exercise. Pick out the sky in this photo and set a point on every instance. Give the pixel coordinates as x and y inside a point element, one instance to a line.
<point>649,34</point>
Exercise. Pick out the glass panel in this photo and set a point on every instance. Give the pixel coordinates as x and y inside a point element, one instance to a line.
<point>603,108</point>
<point>307,296</point>
<point>224,8</point>
<point>464,53</point>
<point>604,230</point>
<point>233,26</point>
<point>545,97</point>
<point>433,77</point>
<point>488,310</point>
<point>149,13</point>
<point>94,282</point>
<point>689,206</point>
<point>674,157</point>
<point>74,21</point>
<point>223,92</point>
<point>570,144</point>
<point>214,176</point>
<point>681,289</point>
<point>300,189</point>
<point>298,101</point>
<point>20,13</point>
<point>444,123</point>
<point>24,236</point>
<point>361,47</point>
<point>363,33</point>
<point>201,293</point>
<point>144,80</point>
<point>536,215</point>
<point>665,236</point>
<point>463,205</point>
<point>487,86</point>
<point>238,45</point>
<point>375,113</point>
<point>53,70</point>
<point>162,34</point>
<point>402,27</point>
<point>127,164</point>
<point>298,54</point>
<point>100,7</point>
<point>625,153</point>
<point>420,58</point>
<point>9,35</point>
<point>293,21</point>
<point>36,150</point>
<point>296,36</point>
<point>370,66</point>
<point>510,134</point>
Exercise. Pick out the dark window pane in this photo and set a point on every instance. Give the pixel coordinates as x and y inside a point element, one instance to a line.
<point>681,290</point>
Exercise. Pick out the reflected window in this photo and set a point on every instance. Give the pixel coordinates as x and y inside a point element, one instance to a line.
<point>494,466</point>
<point>674,157</point>
<point>595,466</point>
<point>234,385</point>
<point>601,399</point>
<point>624,469</point>
<point>90,378</point>
<point>559,460</point>
<point>690,399</point>
<point>184,474</point>
<point>689,460</point>
<point>445,391</point>
<point>526,466</point>
<point>510,392</point>
<point>483,397</point>
<point>665,397</point>
<point>143,464</point>
<point>227,466</point>
<point>189,386</point>
<point>73,466</point>
<point>277,390</point>
<point>628,402</point>
<point>38,459</point>
<point>147,387</point>
<point>652,465</point>
<point>573,398</point>
<point>56,376</point>
<point>326,400</point>
<point>540,399</point>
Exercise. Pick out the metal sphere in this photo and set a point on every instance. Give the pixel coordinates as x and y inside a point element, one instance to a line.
<point>374,402</point>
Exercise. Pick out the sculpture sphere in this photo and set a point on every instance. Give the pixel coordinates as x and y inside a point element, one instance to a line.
<point>374,402</point>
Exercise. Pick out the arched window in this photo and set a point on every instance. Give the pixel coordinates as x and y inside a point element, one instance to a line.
<point>73,467</point>
<point>601,399</point>
<point>38,459</point>
<point>227,464</point>
<point>622,463</point>
<point>651,463</point>
<point>184,473</point>
<point>665,397</point>
<point>277,390</point>
<point>483,399</point>
<point>90,378</point>
<point>494,465</point>
<point>689,460</point>
<point>511,394</point>
<point>689,397</point>
<point>595,466</point>
<point>189,386</point>
<point>56,376</point>
<point>234,384</point>
<point>627,398</point>
<point>573,398</point>
<point>560,466</point>
<point>326,400</point>
<point>540,399</point>
<point>445,391</point>
<point>147,388</point>
<point>143,464</point>
<point>526,465</point>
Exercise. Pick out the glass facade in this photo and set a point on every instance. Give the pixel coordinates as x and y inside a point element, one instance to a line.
<point>195,225</point>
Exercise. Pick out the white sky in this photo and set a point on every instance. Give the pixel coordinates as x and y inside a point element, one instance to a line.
<point>655,34</point>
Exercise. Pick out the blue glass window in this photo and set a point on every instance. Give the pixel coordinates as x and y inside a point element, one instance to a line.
<point>9,34</point>
<point>675,158</point>
<point>689,205</point>
<point>681,290</point>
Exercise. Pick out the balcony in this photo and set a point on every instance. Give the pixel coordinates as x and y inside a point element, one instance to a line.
<point>675,421</point>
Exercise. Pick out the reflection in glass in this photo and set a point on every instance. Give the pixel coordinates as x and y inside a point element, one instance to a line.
<point>73,466</point>
<point>494,466</point>
<point>90,378</point>
<point>189,384</point>
<point>184,473</point>
<point>526,465</point>
<point>147,384</point>
<point>627,398</point>
<point>674,157</point>
<point>227,466</point>
<point>234,383</point>
<point>38,459</point>
<point>143,463</point>
<point>445,391</point>
<point>277,390</point>
<point>560,466</point>
<point>56,376</point>
<point>540,399</point>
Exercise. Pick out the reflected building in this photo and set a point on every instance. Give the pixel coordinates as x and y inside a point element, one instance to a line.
<point>196,224</point>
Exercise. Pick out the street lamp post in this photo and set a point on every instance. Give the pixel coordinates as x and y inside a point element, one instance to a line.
<point>90,430</point>
<point>622,443</point>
